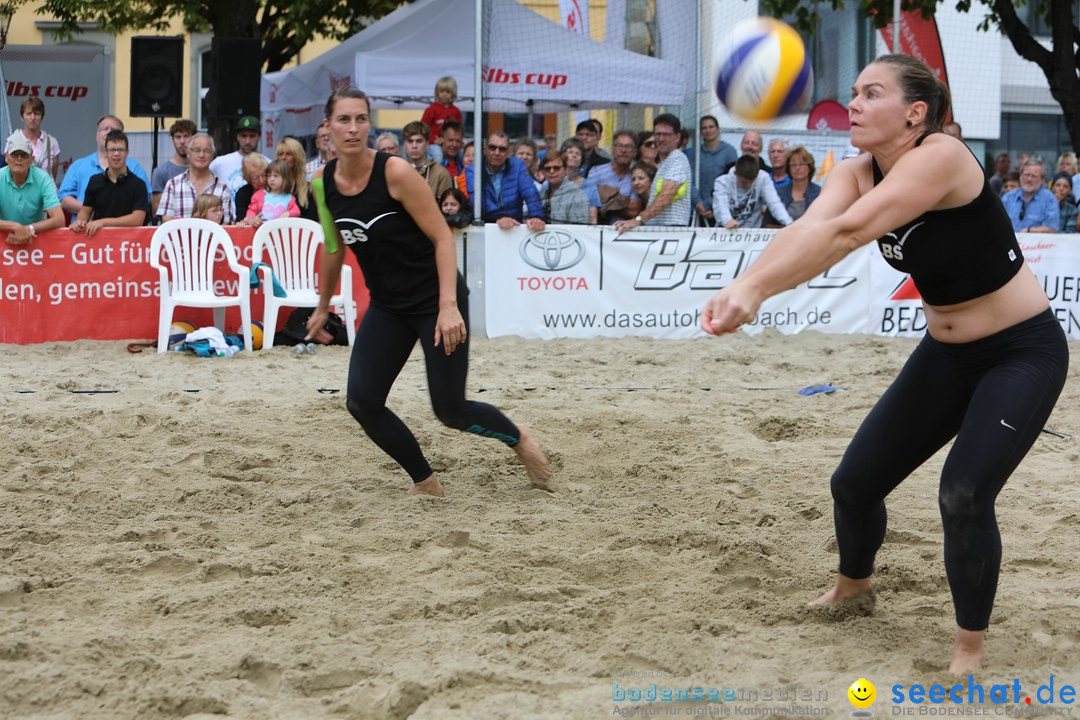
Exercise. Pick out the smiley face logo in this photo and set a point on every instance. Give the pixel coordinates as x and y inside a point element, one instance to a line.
<point>862,693</point>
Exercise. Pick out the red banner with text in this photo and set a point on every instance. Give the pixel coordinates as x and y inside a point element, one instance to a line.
<point>65,286</point>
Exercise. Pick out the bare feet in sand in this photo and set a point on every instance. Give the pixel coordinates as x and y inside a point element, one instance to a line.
<point>431,487</point>
<point>967,652</point>
<point>845,589</point>
<point>533,458</point>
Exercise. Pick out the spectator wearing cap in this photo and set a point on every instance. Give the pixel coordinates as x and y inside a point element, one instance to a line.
<point>228,168</point>
<point>115,198</point>
<point>180,132</point>
<point>28,200</point>
<point>73,188</point>
<point>589,136</point>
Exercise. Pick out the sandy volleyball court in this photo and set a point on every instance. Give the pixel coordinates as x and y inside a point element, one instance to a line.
<point>244,551</point>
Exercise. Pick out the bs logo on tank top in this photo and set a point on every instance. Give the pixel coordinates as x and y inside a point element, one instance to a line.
<point>895,250</point>
<point>354,231</point>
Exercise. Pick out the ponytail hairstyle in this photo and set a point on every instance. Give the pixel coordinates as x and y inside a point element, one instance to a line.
<point>350,91</point>
<point>920,84</point>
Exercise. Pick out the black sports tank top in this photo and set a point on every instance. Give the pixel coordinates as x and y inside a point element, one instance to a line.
<point>397,258</point>
<point>956,254</point>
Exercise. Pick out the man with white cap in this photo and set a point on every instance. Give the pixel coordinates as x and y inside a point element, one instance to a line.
<point>28,201</point>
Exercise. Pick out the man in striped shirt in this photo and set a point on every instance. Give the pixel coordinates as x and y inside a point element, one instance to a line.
<point>180,194</point>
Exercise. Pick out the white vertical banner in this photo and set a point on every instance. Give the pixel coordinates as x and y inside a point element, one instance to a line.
<point>575,16</point>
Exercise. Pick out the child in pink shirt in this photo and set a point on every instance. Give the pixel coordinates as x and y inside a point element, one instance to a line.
<point>276,200</point>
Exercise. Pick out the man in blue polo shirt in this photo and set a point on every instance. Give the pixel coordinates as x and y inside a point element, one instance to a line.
<point>73,188</point>
<point>28,202</point>
<point>1031,207</point>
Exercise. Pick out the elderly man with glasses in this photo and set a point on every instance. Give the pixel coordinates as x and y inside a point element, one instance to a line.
<point>507,187</point>
<point>181,193</point>
<point>1031,207</point>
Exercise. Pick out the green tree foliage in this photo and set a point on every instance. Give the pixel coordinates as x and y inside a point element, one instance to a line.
<point>283,26</point>
<point>1060,62</point>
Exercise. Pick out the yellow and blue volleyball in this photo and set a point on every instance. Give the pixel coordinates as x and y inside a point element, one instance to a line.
<point>763,70</point>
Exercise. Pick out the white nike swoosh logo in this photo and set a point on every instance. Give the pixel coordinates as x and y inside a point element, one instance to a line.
<point>901,241</point>
<point>367,225</point>
<point>1008,425</point>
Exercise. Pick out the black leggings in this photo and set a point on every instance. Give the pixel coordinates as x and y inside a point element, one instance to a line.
<point>993,395</point>
<point>383,343</point>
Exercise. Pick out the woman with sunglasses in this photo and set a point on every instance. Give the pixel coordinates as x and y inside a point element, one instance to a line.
<point>563,201</point>
<point>386,213</point>
<point>647,147</point>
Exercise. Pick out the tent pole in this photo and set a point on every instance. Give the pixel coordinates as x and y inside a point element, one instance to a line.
<point>699,68</point>
<point>478,140</point>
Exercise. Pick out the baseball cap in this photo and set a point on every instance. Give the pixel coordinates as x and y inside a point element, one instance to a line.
<point>17,142</point>
<point>248,122</point>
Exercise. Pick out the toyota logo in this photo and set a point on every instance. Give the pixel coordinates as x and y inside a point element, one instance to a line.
<point>552,250</point>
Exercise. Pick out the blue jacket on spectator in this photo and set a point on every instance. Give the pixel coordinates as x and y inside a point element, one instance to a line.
<point>1041,211</point>
<point>516,189</point>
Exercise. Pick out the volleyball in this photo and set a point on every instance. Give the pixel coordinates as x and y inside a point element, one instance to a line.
<point>256,335</point>
<point>763,70</point>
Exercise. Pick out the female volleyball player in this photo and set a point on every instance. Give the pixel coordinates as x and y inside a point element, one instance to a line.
<point>386,213</point>
<point>993,361</point>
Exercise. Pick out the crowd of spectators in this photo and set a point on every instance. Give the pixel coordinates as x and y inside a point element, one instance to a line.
<point>645,177</point>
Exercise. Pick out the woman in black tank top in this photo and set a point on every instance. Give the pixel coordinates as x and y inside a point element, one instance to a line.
<point>385,212</point>
<point>987,373</point>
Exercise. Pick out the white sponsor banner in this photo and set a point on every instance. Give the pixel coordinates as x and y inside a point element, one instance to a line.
<point>578,281</point>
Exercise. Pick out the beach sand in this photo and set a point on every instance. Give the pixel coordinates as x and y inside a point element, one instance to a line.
<point>244,551</point>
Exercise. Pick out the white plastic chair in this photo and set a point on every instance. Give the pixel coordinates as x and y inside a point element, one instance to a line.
<point>291,246</point>
<point>190,247</point>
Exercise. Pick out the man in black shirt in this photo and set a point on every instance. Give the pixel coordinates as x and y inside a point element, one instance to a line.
<point>116,197</point>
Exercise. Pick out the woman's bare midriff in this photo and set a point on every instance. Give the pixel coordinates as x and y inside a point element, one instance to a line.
<point>1019,299</point>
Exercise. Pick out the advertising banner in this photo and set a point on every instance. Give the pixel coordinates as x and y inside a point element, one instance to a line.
<point>581,281</point>
<point>66,286</point>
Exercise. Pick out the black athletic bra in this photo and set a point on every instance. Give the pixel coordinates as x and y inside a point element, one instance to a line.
<point>957,254</point>
<point>397,258</point>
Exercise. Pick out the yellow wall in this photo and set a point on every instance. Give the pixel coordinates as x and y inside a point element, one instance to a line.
<point>23,31</point>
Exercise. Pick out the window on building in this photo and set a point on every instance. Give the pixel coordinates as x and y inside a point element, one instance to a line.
<point>1038,24</point>
<point>1042,135</point>
<point>841,46</point>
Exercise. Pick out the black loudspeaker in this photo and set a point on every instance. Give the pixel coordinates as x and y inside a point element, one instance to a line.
<point>236,77</point>
<point>157,76</point>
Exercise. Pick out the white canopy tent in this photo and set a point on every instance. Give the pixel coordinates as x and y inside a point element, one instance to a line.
<point>526,59</point>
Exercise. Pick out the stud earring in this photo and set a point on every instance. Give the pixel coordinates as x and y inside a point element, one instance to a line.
<point>908,122</point>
